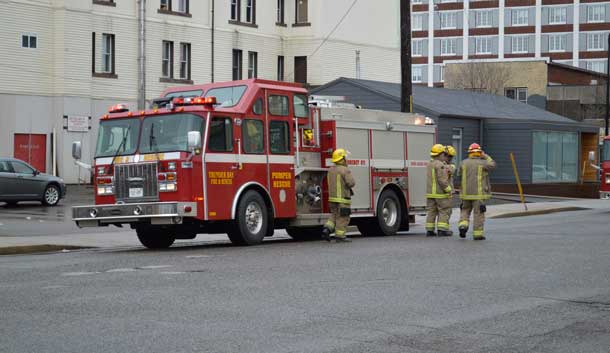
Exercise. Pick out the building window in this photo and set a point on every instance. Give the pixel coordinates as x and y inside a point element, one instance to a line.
<point>448,20</point>
<point>482,18</point>
<point>252,64</point>
<point>181,6</point>
<point>417,48</point>
<point>104,2</point>
<point>557,43</point>
<point>448,46</point>
<point>279,18</point>
<point>107,53</point>
<point>554,156</point>
<point>519,17</point>
<point>235,10</point>
<point>597,65</point>
<point>483,45</point>
<point>456,138</point>
<point>300,69</point>
<point>417,22</point>
<point>595,41</point>
<point>185,61</point>
<point>250,11</point>
<point>167,67</point>
<point>442,74</point>
<point>596,13</point>
<point>301,11</point>
<point>416,74</point>
<point>557,15</point>
<point>519,44</point>
<point>516,93</point>
<point>29,41</point>
<point>279,137</point>
<point>280,68</point>
<point>417,1</point>
<point>237,57</point>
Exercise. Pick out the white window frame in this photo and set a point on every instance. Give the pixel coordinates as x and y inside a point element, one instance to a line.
<point>252,64</point>
<point>482,18</point>
<point>594,16</point>
<point>595,41</point>
<point>448,46</point>
<point>167,59</point>
<point>106,51</point>
<point>482,45</point>
<point>590,65</point>
<point>417,25</point>
<point>519,17</point>
<point>185,61</point>
<point>517,91</point>
<point>414,2</point>
<point>417,47</point>
<point>558,15</point>
<point>557,43</point>
<point>448,19</point>
<point>181,6</point>
<point>29,36</point>
<point>519,41</point>
<point>441,72</point>
<point>235,7</point>
<point>417,74</point>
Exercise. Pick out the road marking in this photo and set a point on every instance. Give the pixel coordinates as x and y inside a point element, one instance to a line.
<point>172,272</point>
<point>79,273</point>
<point>121,270</point>
<point>197,256</point>
<point>54,287</point>
<point>153,267</point>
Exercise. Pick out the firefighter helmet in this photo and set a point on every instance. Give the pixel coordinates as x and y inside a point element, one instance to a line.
<point>474,148</point>
<point>338,155</point>
<point>437,149</point>
<point>451,151</point>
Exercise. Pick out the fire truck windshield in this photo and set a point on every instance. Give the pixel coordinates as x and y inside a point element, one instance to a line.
<point>111,135</point>
<point>227,96</point>
<point>606,151</point>
<point>167,133</point>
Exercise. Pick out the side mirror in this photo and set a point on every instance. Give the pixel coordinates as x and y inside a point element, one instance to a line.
<point>592,156</point>
<point>194,140</point>
<point>76,150</point>
<point>36,172</point>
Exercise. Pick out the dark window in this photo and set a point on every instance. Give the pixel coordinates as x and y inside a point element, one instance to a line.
<point>251,11</point>
<point>301,109</point>
<point>221,135</point>
<point>300,69</point>
<point>21,168</point>
<point>301,11</point>
<point>4,167</point>
<point>252,132</point>
<point>279,139</point>
<point>107,53</point>
<point>168,59</point>
<point>104,2</point>
<point>237,64</point>
<point>185,61</point>
<point>252,64</point>
<point>181,6</point>
<point>280,68</point>
<point>227,96</point>
<point>235,4</point>
<point>29,41</point>
<point>279,19</point>
<point>517,93</point>
<point>278,105</point>
<point>257,108</point>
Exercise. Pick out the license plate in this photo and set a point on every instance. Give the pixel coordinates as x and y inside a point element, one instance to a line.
<point>136,192</point>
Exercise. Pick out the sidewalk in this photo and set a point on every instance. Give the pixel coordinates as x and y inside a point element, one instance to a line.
<point>126,238</point>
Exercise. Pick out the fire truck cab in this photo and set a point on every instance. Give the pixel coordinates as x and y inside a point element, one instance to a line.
<point>248,157</point>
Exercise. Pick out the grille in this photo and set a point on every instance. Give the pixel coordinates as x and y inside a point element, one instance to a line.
<point>135,176</point>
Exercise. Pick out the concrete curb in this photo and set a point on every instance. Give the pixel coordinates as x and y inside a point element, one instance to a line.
<point>538,212</point>
<point>42,248</point>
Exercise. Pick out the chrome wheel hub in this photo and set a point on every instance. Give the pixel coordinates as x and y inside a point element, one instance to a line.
<point>254,218</point>
<point>389,212</point>
<point>51,196</point>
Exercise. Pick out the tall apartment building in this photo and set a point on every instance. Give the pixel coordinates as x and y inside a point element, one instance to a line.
<point>573,32</point>
<point>64,62</point>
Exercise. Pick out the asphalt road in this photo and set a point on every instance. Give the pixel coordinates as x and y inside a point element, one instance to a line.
<point>538,284</point>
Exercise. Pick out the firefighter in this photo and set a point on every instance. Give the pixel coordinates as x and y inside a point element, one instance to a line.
<point>475,190</point>
<point>438,193</point>
<point>451,153</point>
<point>340,184</point>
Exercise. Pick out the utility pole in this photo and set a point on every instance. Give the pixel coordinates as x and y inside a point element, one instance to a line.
<point>607,87</point>
<point>406,89</point>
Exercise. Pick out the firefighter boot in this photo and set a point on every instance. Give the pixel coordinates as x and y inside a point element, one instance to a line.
<point>342,240</point>
<point>430,233</point>
<point>463,232</point>
<point>326,234</point>
<point>445,233</point>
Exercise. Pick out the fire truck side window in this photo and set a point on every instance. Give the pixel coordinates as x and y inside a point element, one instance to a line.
<point>279,137</point>
<point>301,109</point>
<point>252,131</point>
<point>257,108</point>
<point>278,105</point>
<point>221,135</point>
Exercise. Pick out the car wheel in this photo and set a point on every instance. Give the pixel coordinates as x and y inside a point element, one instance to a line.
<point>251,220</point>
<point>50,196</point>
<point>155,238</point>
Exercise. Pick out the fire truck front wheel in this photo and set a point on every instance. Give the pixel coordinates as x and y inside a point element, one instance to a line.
<point>251,220</point>
<point>155,238</point>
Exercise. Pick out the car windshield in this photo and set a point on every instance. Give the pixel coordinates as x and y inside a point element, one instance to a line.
<point>227,96</point>
<point>607,150</point>
<point>165,133</point>
<point>111,135</point>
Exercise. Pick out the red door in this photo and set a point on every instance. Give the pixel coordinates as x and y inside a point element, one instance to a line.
<point>32,148</point>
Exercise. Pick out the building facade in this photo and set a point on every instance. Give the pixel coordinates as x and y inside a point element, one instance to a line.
<point>64,62</point>
<point>573,32</point>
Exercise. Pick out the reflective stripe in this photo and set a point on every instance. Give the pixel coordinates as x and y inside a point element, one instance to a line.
<point>338,189</point>
<point>430,226</point>
<point>330,225</point>
<point>463,224</point>
<point>433,194</point>
<point>464,195</point>
<point>340,233</point>
<point>478,233</point>
<point>443,226</point>
<point>339,193</point>
<point>480,181</point>
<point>340,200</point>
<point>433,181</point>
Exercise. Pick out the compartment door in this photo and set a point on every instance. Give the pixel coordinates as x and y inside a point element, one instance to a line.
<point>418,155</point>
<point>357,142</point>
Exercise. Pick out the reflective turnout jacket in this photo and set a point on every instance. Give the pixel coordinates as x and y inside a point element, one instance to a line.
<point>475,178</point>
<point>437,180</point>
<point>340,184</point>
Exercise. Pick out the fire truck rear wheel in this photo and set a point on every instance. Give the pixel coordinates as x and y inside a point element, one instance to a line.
<point>155,238</point>
<point>251,220</point>
<point>388,219</point>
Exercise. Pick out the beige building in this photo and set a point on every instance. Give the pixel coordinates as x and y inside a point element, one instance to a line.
<point>64,62</point>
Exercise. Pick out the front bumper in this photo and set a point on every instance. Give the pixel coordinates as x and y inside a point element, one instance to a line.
<point>145,212</point>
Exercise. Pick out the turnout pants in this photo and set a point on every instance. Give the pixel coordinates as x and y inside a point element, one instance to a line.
<point>478,219</point>
<point>337,223</point>
<point>438,208</point>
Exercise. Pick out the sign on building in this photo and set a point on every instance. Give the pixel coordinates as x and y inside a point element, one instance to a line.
<point>77,123</point>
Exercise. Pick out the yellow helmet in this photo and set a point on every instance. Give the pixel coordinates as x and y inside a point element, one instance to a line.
<point>338,155</point>
<point>451,151</point>
<point>437,149</point>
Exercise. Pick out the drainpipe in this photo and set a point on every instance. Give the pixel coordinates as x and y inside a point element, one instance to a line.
<point>212,43</point>
<point>142,55</point>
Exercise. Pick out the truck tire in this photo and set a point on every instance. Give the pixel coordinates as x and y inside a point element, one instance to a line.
<point>305,233</point>
<point>388,219</point>
<point>155,238</point>
<point>251,220</point>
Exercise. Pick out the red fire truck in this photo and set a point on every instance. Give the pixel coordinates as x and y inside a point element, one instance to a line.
<point>248,157</point>
<point>604,168</point>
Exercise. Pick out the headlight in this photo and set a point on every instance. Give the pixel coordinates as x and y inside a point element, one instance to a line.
<point>101,170</point>
<point>171,166</point>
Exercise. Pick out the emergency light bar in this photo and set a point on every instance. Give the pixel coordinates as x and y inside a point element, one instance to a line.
<point>194,101</point>
<point>119,108</point>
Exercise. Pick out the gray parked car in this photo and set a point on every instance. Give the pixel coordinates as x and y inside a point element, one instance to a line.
<point>20,181</point>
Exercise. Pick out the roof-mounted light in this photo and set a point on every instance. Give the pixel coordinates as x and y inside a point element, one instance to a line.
<point>119,108</point>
